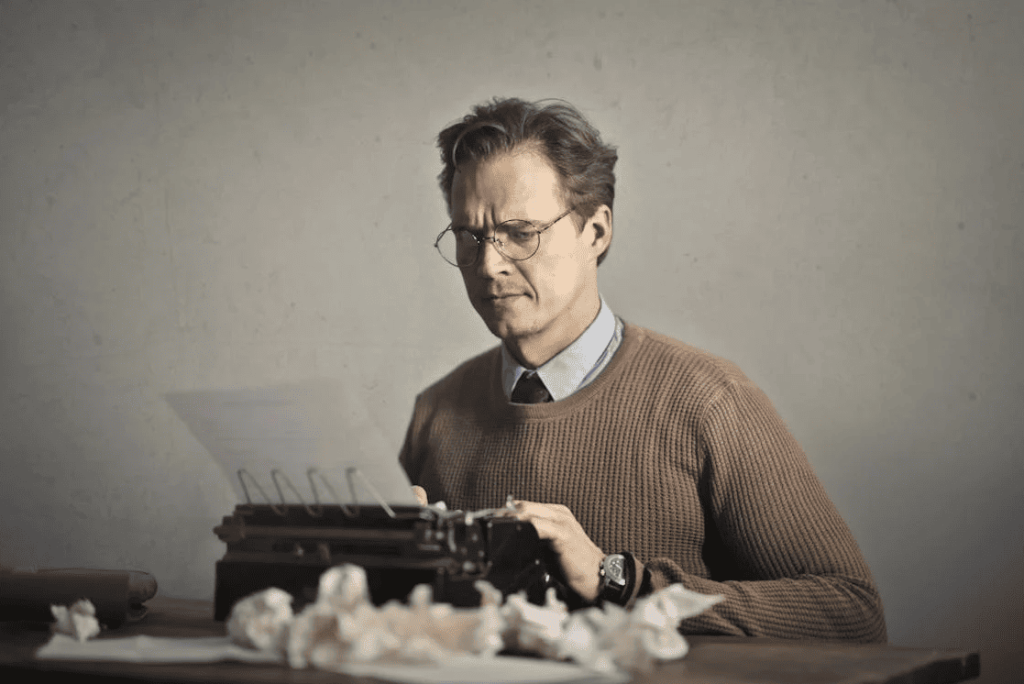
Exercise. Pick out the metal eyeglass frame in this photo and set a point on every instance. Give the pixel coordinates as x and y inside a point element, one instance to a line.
<point>481,239</point>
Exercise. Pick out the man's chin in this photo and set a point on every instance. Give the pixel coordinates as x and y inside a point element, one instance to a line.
<point>503,328</point>
<point>500,329</point>
<point>510,320</point>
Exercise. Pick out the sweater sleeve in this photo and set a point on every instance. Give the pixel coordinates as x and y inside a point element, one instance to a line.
<point>787,564</point>
<point>410,457</point>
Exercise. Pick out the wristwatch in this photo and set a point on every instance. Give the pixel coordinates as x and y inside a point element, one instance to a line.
<point>615,578</point>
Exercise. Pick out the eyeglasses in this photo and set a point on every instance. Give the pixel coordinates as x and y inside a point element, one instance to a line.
<point>516,239</point>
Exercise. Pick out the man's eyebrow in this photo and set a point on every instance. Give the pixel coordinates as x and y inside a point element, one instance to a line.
<point>478,229</point>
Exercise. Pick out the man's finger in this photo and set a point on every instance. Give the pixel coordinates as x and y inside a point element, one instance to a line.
<point>539,510</point>
<point>421,494</point>
<point>546,529</point>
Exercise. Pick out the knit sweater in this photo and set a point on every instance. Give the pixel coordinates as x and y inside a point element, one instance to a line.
<point>675,455</point>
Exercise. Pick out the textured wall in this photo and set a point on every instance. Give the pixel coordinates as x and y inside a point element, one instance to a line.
<point>225,195</point>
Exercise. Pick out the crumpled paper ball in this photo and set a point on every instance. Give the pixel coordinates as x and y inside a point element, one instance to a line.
<point>533,628</point>
<point>262,620</point>
<point>78,621</point>
<point>610,638</point>
<point>649,633</point>
<point>344,586</point>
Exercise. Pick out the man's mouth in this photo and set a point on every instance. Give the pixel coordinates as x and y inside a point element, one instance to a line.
<point>501,300</point>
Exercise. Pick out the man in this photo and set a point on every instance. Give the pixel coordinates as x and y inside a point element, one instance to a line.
<point>644,461</point>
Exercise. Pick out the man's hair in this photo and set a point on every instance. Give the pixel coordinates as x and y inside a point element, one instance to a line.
<point>555,128</point>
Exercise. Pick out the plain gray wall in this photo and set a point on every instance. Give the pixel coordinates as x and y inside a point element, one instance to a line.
<point>217,195</point>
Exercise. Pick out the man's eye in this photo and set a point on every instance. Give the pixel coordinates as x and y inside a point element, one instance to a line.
<point>522,234</point>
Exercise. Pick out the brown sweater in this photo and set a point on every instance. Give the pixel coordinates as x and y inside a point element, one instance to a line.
<point>672,454</point>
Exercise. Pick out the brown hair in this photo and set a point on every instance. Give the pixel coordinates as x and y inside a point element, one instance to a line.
<point>559,131</point>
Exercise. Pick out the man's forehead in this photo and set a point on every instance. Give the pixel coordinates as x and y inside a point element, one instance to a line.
<point>518,181</point>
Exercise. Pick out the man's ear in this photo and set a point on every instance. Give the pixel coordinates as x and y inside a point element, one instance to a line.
<point>601,225</point>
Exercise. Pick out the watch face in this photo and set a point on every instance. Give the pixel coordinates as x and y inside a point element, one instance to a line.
<point>615,568</point>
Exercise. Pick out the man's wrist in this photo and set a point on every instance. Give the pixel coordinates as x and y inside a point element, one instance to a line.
<point>621,579</point>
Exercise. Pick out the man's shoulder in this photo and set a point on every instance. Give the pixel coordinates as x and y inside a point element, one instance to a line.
<point>473,372</point>
<point>670,354</point>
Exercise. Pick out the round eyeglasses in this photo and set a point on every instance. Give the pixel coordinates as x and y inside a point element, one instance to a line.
<point>515,239</point>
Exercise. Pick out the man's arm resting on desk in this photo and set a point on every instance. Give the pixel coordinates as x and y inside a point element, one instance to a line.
<point>802,607</point>
<point>776,546</point>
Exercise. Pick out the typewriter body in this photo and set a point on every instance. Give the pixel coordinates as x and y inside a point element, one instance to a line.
<point>290,546</point>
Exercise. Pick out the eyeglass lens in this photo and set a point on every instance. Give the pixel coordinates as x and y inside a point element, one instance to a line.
<point>517,240</point>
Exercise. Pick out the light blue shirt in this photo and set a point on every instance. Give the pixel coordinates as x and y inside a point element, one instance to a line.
<point>577,365</point>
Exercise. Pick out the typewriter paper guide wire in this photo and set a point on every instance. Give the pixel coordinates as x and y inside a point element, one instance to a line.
<point>322,425</point>
<point>289,547</point>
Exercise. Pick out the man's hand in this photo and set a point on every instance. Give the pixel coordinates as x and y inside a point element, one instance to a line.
<point>421,494</point>
<point>578,555</point>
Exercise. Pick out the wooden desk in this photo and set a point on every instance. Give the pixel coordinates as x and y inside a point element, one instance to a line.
<point>712,660</point>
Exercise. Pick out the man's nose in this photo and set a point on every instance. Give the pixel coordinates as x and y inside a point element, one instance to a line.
<point>490,259</point>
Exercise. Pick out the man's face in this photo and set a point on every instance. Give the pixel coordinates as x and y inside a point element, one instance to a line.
<point>540,305</point>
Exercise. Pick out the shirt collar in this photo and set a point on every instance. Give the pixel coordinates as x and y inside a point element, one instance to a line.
<point>568,369</point>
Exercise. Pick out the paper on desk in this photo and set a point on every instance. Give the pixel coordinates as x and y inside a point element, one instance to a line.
<point>468,669</point>
<point>146,649</point>
<point>493,669</point>
<point>318,424</point>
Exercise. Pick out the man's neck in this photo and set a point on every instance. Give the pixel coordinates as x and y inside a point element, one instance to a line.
<point>535,350</point>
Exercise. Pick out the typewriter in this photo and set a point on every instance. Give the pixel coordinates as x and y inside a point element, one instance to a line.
<point>289,546</point>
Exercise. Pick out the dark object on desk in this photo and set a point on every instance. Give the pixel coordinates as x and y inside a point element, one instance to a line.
<point>290,546</point>
<point>117,595</point>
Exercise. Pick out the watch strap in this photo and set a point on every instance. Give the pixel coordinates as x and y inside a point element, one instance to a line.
<point>635,573</point>
<point>646,587</point>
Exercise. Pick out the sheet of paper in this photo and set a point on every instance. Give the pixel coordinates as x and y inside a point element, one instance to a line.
<point>467,669</point>
<point>278,434</point>
<point>147,649</point>
<point>495,670</point>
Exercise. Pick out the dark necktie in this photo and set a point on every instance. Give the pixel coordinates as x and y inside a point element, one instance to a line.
<point>530,390</point>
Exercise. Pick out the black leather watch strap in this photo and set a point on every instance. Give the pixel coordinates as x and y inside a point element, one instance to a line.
<point>646,587</point>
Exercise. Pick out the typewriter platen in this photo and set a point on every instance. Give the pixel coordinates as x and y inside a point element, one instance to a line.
<point>289,546</point>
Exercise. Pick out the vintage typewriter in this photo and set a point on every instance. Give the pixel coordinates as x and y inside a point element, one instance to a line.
<point>290,545</point>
